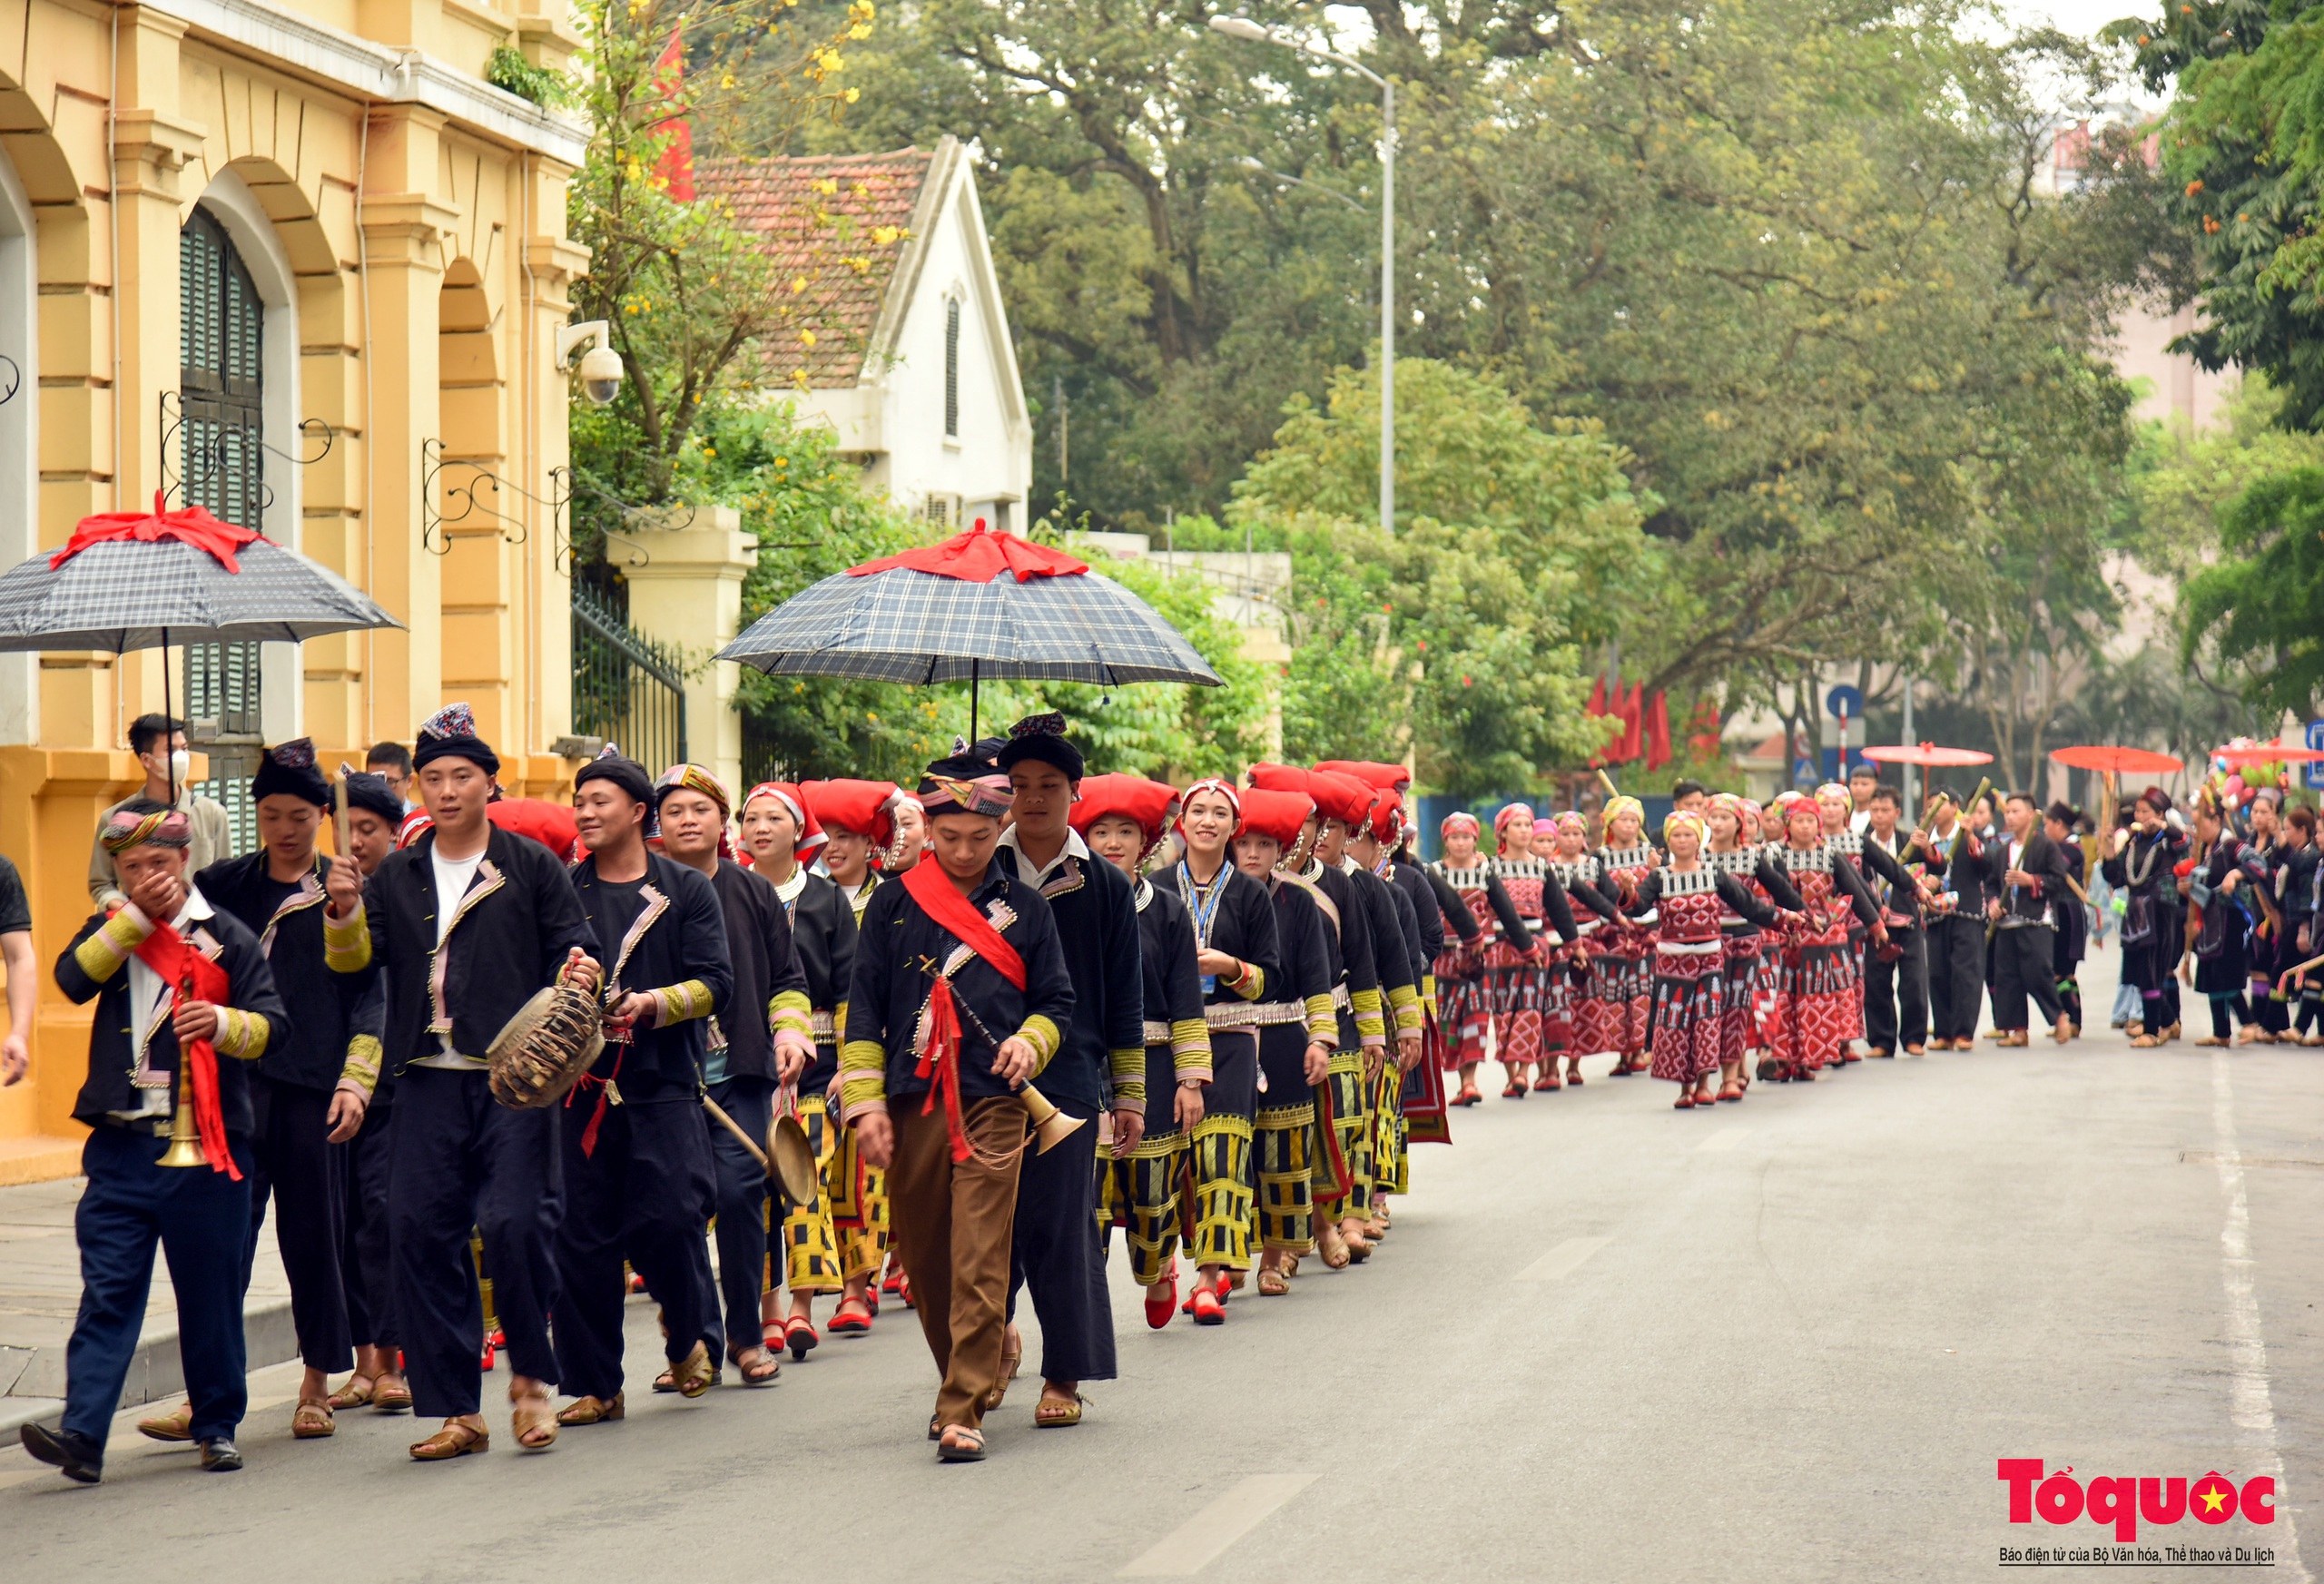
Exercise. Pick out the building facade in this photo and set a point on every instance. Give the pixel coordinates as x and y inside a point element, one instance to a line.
<point>299,262</point>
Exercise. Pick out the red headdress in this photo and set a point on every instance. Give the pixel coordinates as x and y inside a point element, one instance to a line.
<point>1342,797</point>
<point>811,833</point>
<point>1130,797</point>
<point>1388,817</point>
<point>863,808</point>
<point>1370,772</point>
<point>1279,814</point>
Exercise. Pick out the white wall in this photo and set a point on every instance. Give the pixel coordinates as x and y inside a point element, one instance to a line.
<point>19,449</point>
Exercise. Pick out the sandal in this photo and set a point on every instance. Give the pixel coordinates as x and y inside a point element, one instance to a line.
<point>454,1440</point>
<point>1732,1091</point>
<point>1515,1091</point>
<point>1573,1071</point>
<point>352,1395</point>
<point>1685,1102</point>
<point>1052,1413</point>
<point>757,1365</point>
<point>1468,1095</point>
<point>799,1336</point>
<point>534,1421</point>
<point>2144,1042</point>
<point>176,1425</point>
<point>1012,1357</point>
<point>1332,1247</point>
<point>695,1374</point>
<point>1547,1080</point>
<point>391,1397</point>
<point>592,1411</point>
<point>1704,1099</point>
<point>1359,1247</point>
<point>311,1420</point>
<point>843,1323</point>
<point>1273,1282</point>
<point>957,1444</point>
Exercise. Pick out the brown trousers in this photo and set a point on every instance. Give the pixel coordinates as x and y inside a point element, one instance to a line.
<point>953,1225</point>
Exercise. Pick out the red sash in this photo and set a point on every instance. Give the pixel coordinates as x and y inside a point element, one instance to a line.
<point>939,1061</point>
<point>193,976</point>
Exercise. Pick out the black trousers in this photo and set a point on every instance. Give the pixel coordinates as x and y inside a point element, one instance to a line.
<point>293,1155</point>
<point>1957,975</point>
<point>741,1192</point>
<point>201,1220</point>
<point>462,1161</point>
<point>2024,964</point>
<point>1058,1254</point>
<point>642,1195</point>
<point>363,1266</point>
<point>1887,983</point>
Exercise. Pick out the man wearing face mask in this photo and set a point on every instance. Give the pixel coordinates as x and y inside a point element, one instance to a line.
<point>159,743</point>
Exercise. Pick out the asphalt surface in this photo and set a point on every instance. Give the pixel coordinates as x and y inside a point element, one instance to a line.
<point>1606,1341</point>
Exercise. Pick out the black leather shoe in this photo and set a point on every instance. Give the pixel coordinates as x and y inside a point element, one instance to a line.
<point>219,1455</point>
<point>80,1458</point>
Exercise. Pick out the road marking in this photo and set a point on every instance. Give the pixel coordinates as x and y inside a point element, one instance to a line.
<point>1562,1260</point>
<point>1726,1139</point>
<point>2251,1400</point>
<point>1190,1548</point>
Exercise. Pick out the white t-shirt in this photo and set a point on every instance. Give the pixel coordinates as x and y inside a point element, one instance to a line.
<point>453,878</point>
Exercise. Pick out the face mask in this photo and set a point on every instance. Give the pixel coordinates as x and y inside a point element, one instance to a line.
<point>181,764</point>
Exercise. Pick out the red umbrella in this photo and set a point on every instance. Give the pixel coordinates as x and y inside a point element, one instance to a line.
<point>2113,760</point>
<point>2235,755</point>
<point>1926,754</point>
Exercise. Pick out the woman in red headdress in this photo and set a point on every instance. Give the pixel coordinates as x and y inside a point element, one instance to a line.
<point>1809,1029</point>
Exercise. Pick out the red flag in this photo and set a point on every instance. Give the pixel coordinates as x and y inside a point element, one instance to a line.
<point>1657,732</point>
<point>675,167</point>
<point>1633,713</point>
<point>1597,704</point>
<point>1702,730</point>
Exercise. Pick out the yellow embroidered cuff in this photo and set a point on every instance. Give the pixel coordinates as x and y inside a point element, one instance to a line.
<point>241,1035</point>
<point>680,1003</point>
<point>790,1010</point>
<point>1129,1077</point>
<point>1369,1022</point>
<point>347,943</point>
<point>114,943</point>
<point>1323,1022</point>
<point>362,1069</point>
<point>1190,1048</point>
<point>862,1078</point>
<point>1404,1001</point>
<point>1043,1034</point>
<point>1428,990</point>
<point>1254,983</point>
<point>839,1026</point>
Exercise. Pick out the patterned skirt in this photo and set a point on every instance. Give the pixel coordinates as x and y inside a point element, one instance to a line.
<point>1465,1011</point>
<point>1738,1019</point>
<point>1690,1007</point>
<point>1810,1021</point>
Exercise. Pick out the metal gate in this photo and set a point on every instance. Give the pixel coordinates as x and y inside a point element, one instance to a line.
<point>221,392</point>
<point>626,688</point>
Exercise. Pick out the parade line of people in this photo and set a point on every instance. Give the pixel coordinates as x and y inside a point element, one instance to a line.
<point>1007,1014</point>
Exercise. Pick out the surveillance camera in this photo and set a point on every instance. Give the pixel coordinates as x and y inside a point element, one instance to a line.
<point>601,376</point>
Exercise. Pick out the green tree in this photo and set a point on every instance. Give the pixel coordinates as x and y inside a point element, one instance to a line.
<point>2257,608</point>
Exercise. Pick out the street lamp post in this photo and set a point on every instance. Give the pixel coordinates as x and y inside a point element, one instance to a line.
<point>1243,27</point>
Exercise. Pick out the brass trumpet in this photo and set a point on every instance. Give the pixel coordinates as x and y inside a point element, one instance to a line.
<point>1051,1127</point>
<point>185,1138</point>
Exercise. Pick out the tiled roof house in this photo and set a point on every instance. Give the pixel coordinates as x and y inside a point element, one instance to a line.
<point>903,345</point>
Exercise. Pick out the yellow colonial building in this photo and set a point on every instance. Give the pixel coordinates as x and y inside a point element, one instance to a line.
<point>299,261</point>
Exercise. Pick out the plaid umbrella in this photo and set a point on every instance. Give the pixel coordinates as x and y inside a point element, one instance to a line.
<point>139,580</point>
<point>980,604</point>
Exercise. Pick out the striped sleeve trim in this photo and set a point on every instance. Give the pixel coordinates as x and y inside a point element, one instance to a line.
<point>862,1078</point>
<point>680,1003</point>
<point>1043,1034</point>
<point>1130,1076</point>
<point>1323,1022</point>
<point>1254,983</point>
<point>1369,1021</point>
<point>1404,1000</point>
<point>789,1012</point>
<point>346,942</point>
<point>362,1069</point>
<point>1428,993</point>
<point>114,943</point>
<point>1190,1048</point>
<point>241,1035</point>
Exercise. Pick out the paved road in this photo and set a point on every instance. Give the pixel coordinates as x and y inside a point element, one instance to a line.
<point>1606,1341</point>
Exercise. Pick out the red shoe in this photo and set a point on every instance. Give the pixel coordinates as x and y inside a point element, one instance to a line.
<point>1162,1300</point>
<point>872,1299</point>
<point>1515,1091</point>
<point>1686,1101</point>
<point>488,1352</point>
<point>894,1283</point>
<point>636,1283</point>
<point>799,1336</point>
<point>1208,1309</point>
<point>903,1289</point>
<point>1548,1081</point>
<point>1468,1095</point>
<point>1733,1091</point>
<point>1574,1077</point>
<point>843,1323</point>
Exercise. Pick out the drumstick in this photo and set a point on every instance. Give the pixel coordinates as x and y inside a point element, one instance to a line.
<point>734,1127</point>
<point>338,814</point>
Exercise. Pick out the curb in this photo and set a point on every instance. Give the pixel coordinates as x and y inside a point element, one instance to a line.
<point>36,1395</point>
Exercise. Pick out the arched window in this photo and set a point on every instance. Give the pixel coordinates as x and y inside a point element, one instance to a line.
<point>951,367</point>
<point>221,380</point>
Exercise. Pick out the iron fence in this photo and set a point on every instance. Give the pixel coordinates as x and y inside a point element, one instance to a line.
<point>626,688</point>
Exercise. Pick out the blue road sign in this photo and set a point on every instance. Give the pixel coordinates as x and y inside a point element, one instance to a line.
<point>2316,766</point>
<point>1845,703</point>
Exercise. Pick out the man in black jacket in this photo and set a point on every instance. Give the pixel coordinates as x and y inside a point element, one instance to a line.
<point>1955,923</point>
<point>313,1087</point>
<point>1058,1250</point>
<point>636,1152</point>
<point>761,1039</point>
<point>135,964</point>
<point>2027,874</point>
<point>467,923</point>
<point>1903,979</point>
